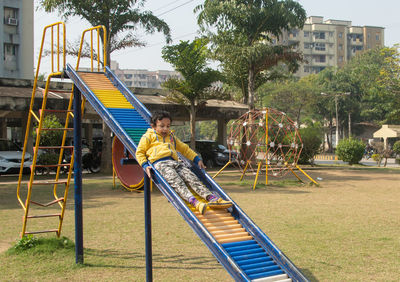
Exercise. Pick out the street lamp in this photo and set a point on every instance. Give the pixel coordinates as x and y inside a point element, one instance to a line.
<point>336,95</point>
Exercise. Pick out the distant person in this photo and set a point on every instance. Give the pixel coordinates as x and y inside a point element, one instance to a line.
<point>159,146</point>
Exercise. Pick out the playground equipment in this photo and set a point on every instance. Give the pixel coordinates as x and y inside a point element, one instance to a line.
<point>126,168</point>
<point>233,238</point>
<point>265,138</point>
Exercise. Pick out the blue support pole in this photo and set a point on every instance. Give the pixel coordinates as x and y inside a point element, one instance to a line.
<point>147,220</point>
<point>78,176</point>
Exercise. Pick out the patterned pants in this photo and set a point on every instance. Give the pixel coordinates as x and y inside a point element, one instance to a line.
<point>179,176</point>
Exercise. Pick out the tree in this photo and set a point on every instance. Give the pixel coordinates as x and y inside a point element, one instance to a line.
<point>242,41</point>
<point>294,97</point>
<point>196,87</point>
<point>389,80</point>
<point>121,19</point>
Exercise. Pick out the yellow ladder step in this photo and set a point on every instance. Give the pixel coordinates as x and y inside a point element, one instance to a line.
<point>54,165</point>
<point>45,182</point>
<point>54,147</point>
<point>44,215</point>
<point>49,203</point>
<point>42,231</point>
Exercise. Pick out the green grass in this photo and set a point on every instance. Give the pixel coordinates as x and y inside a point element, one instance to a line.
<point>345,230</point>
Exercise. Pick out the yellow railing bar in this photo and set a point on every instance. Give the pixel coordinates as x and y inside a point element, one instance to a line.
<point>97,28</point>
<point>34,115</point>
<point>228,163</point>
<point>244,170</point>
<point>309,177</point>
<point>258,171</point>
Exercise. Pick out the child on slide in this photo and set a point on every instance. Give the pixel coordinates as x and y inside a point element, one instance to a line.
<point>159,147</point>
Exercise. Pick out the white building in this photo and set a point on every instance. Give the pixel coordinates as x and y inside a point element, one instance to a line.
<point>331,42</point>
<point>143,78</point>
<point>16,40</point>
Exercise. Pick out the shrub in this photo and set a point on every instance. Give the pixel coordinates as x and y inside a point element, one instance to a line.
<point>312,140</point>
<point>48,158</point>
<point>350,150</point>
<point>396,147</point>
<point>53,137</point>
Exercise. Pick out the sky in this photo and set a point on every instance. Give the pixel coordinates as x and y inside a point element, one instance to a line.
<point>178,14</point>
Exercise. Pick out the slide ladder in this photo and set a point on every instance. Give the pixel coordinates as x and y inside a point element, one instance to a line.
<point>26,197</point>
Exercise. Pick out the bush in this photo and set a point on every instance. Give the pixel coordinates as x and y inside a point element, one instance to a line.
<point>53,137</point>
<point>396,147</point>
<point>350,150</point>
<point>312,140</point>
<point>48,158</point>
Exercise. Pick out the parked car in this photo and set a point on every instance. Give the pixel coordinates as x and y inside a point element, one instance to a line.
<point>11,156</point>
<point>212,153</point>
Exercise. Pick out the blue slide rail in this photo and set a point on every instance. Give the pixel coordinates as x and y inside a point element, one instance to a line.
<point>244,261</point>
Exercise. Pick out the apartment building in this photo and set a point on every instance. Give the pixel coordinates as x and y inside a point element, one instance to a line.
<point>143,78</point>
<point>331,42</point>
<point>16,40</point>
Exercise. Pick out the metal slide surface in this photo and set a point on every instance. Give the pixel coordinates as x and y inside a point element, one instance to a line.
<point>232,237</point>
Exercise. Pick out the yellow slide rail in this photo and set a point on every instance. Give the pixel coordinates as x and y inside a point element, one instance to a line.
<point>95,32</point>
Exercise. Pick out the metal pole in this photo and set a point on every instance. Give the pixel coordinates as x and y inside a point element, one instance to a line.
<point>337,120</point>
<point>78,176</point>
<point>147,220</point>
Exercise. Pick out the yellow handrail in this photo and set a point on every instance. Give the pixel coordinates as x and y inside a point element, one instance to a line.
<point>97,29</point>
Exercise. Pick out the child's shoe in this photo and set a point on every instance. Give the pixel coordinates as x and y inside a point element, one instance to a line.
<point>220,204</point>
<point>201,207</point>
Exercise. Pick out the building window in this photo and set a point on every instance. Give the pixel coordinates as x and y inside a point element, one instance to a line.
<point>340,58</point>
<point>340,46</point>
<point>10,16</point>
<point>331,34</point>
<point>340,35</point>
<point>306,34</point>
<point>319,35</point>
<point>377,37</point>
<point>128,76</point>
<point>320,59</point>
<point>10,50</point>
<point>306,69</point>
<point>320,46</point>
<point>307,45</point>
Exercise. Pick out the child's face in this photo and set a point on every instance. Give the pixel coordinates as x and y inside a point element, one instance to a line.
<point>162,127</point>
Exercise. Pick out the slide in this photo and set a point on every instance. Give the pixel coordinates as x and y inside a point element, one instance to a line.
<point>234,239</point>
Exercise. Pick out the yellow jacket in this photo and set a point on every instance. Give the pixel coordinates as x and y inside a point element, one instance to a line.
<point>153,147</point>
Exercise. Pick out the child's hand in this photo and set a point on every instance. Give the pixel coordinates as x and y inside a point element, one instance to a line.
<point>201,164</point>
<point>148,171</point>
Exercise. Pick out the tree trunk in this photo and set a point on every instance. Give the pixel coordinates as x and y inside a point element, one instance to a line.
<point>349,124</point>
<point>331,133</point>
<point>251,87</point>
<point>192,126</point>
<point>106,164</point>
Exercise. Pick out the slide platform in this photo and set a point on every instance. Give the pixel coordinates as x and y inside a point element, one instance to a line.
<point>233,238</point>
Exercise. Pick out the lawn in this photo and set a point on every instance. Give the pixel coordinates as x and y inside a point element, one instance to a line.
<point>345,230</point>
